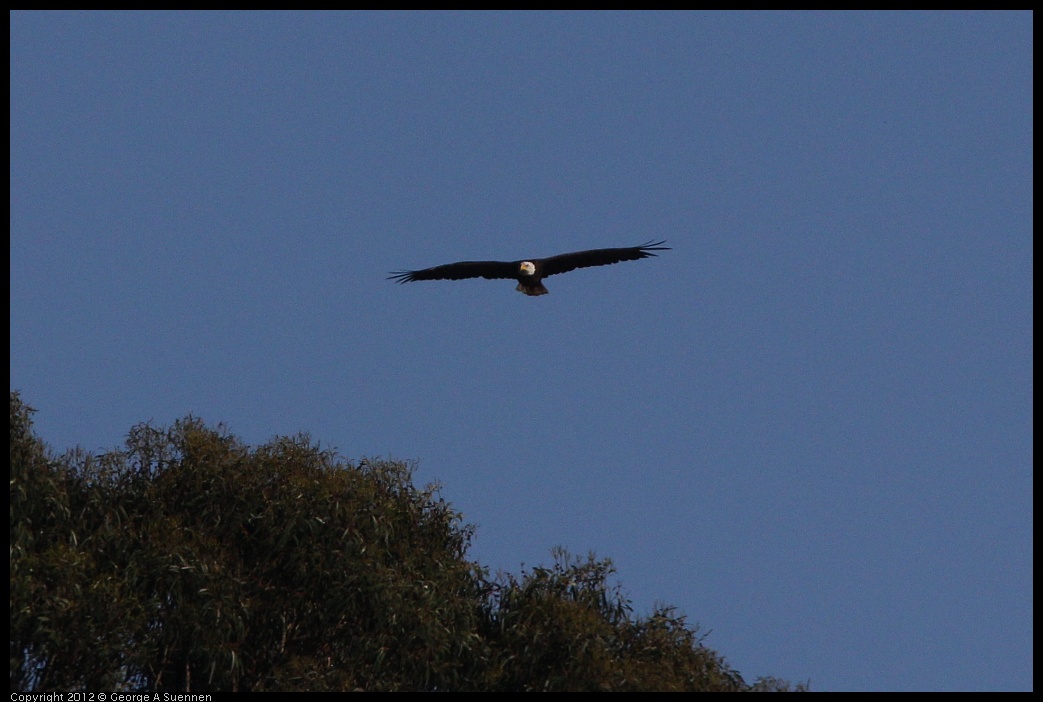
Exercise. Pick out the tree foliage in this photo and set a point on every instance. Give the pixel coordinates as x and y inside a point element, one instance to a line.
<point>187,561</point>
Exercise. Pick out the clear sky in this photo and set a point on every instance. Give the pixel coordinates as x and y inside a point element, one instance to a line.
<point>807,426</point>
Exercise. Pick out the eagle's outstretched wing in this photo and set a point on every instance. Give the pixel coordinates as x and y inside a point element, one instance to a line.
<point>459,271</point>
<point>564,263</point>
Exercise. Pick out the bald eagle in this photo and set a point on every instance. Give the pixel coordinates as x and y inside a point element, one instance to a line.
<point>530,273</point>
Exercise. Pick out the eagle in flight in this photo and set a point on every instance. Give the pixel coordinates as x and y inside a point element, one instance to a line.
<point>531,272</point>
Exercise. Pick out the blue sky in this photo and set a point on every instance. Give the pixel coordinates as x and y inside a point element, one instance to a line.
<point>807,426</point>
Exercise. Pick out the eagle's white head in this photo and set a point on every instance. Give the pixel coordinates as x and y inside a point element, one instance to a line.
<point>527,268</point>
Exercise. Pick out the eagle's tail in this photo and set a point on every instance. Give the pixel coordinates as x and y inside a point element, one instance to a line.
<point>534,289</point>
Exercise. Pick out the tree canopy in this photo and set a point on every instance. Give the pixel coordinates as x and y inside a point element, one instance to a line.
<point>189,562</point>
